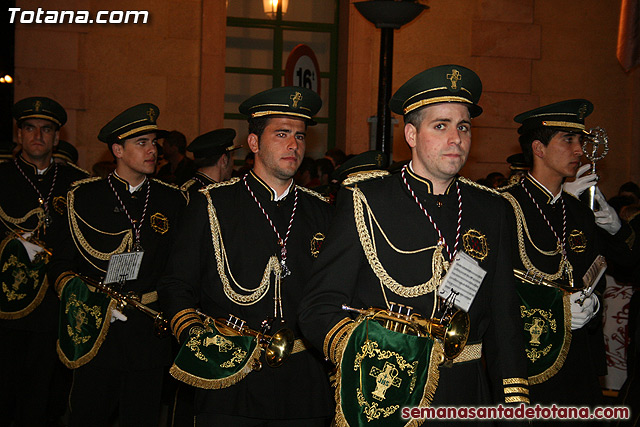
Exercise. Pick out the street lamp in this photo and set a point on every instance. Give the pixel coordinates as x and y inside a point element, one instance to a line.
<point>271,7</point>
<point>388,15</point>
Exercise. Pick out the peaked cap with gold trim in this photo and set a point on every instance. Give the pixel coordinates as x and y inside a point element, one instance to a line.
<point>132,122</point>
<point>289,101</point>
<point>65,150</point>
<point>567,116</point>
<point>213,143</point>
<point>363,162</point>
<point>445,83</point>
<point>39,107</point>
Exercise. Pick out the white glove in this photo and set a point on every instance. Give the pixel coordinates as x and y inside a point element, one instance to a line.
<point>117,315</point>
<point>32,249</point>
<point>581,183</point>
<point>583,309</point>
<point>606,216</point>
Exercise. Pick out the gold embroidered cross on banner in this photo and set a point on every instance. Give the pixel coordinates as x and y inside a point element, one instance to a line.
<point>385,378</point>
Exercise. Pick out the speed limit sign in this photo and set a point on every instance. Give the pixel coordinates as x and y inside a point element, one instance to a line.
<point>302,69</point>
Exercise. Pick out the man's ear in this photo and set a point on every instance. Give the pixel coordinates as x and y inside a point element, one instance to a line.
<point>56,138</point>
<point>117,150</point>
<point>224,160</point>
<point>20,136</point>
<point>253,142</point>
<point>537,148</point>
<point>410,134</point>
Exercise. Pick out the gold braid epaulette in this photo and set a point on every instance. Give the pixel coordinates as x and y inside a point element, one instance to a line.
<point>510,185</point>
<point>358,177</point>
<point>206,189</point>
<point>187,185</point>
<point>313,193</point>
<point>173,187</point>
<point>521,223</point>
<point>85,181</point>
<point>73,165</point>
<point>166,184</point>
<point>474,184</point>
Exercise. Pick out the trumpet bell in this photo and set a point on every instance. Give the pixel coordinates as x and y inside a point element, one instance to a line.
<point>279,348</point>
<point>456,334</point>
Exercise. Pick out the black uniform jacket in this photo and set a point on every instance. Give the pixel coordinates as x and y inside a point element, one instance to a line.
<point>101,221</point>
<point>198,181</point>
<point>299,388</point>
<point>17,199</point>
<point>342,275</point>
<point>577,380</point>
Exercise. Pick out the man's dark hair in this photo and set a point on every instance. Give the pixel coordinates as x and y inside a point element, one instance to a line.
<point>203,162</point>
<point>258,125</point>
<point>178,140</point>
<point>630,187</point>
<point>543,135</point>
<point>415,118</point>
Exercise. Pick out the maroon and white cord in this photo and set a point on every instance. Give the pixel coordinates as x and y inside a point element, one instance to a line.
<point>44,202</point>
<point>561,242</point>
<point>136,225</point>
<point>281,242</point>
<point>441,239</point>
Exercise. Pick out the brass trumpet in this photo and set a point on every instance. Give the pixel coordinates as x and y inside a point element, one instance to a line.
<point>277,347</point>
<point>132,299</point>
<point>451,328</point>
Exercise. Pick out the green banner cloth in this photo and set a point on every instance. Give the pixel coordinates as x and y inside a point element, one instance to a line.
<point>212,360</point>
<point>383,371</point>
<point>24,283</point>
<point>84,322</point>
<point>546,320</point>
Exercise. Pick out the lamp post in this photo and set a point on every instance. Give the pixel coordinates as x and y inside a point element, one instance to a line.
<point>388,15</point>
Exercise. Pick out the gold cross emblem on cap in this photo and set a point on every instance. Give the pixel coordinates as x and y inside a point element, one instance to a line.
<point>152,114</point>
<point>296,98</point>
<point>454,77</point>
<point>582,111</point>
<point>37,105</point>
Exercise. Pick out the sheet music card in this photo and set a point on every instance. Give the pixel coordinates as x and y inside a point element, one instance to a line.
<point>462,280</point>
<point>123,267</point>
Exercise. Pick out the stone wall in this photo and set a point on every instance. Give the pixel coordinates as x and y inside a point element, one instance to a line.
<point>527,52</point>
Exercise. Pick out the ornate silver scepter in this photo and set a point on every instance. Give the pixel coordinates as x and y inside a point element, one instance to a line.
<point>597,137</point>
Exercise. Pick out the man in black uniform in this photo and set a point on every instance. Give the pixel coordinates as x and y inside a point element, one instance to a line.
<point>213,154</point>
<point>246,249</point>
<point>391,243</point>
<point>557,242</point>
<point>32,200</point>
<point>127,211</point>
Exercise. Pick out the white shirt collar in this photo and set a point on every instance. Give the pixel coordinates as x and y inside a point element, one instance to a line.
<point>555,198</point>
<point>284,194</point>
<point>132,189</point>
